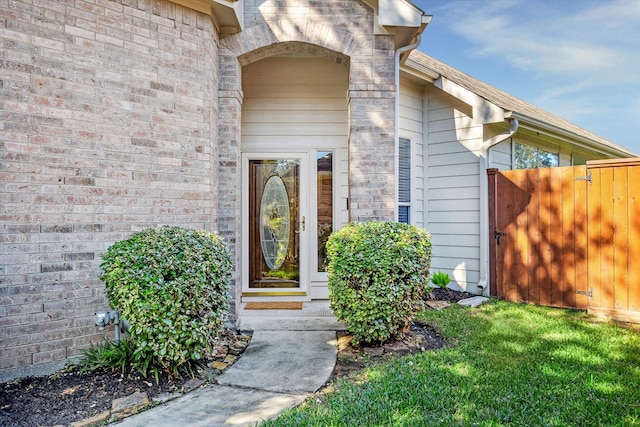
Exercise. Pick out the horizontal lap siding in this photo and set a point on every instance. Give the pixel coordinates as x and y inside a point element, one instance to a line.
<point>294,103</point>
<point>453,188</point>
<point>500,156</point>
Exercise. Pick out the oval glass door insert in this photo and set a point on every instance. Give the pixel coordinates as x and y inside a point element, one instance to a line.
<point>275,221</point>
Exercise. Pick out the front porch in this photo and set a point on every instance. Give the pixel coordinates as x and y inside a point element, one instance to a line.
<point>313,316</point>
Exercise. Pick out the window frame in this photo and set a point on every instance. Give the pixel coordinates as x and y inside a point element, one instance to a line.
<point>405,175</point>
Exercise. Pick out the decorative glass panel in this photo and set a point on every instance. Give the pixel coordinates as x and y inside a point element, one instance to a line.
<point>403,214</point>
<point>404,180</point>
<point>404,171</point>
<point>274,222</point>
<point>274,240</point>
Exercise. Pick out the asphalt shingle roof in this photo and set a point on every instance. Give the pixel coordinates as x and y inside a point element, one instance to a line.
<point>505,100</point>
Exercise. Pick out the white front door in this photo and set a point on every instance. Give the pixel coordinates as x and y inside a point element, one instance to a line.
<point>288,213</point>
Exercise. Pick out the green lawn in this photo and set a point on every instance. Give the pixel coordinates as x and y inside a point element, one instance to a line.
<point>509,364</point>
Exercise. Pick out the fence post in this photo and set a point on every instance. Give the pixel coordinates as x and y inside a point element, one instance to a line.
<point>492,185</point>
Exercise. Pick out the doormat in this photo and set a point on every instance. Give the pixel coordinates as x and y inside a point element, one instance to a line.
<point>273,306</point>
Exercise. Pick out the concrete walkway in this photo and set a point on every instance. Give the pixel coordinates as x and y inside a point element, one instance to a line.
<point>277,371</point>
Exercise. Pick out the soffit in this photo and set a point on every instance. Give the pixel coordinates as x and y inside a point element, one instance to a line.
<point>226,14</point>
<point>401,18</point>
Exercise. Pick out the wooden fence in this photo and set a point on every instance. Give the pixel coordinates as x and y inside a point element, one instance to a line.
<point>568,237</point>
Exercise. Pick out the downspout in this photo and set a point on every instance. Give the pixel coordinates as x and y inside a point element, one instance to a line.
<point>484,202</point>
<point>396,129</point>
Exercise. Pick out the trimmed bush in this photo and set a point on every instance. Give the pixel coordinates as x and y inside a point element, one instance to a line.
<point>172,285</point>
<point>378,271</point>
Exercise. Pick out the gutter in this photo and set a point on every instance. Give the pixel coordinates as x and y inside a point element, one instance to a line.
<point>594,143</point>
<point>514,125</point>
<point>485,153</point>
<point>396,127</point>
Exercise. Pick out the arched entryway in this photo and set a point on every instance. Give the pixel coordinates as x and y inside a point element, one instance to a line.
<point>366,90</point>
<point>294,140</point>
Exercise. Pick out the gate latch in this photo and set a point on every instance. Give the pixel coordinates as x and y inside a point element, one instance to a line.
<point>499,234</point>
<point>588,293</point>
<point>584,178</point>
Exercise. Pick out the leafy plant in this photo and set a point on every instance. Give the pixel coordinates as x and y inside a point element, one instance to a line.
<point>172,285</point>
<point>109,354</point>
<point>440,279</point>
<point>377,273</point>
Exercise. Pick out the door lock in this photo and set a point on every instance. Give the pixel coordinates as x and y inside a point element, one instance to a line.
<point>499,234</point>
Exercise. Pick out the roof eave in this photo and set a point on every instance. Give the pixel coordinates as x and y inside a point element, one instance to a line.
<point>535,125</point>
<point>399,18</point>
<point>484,111</point>
<point>413,68</point>
<point>227,15</point>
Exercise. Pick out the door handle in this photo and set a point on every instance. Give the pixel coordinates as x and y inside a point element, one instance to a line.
<point>499,234</point>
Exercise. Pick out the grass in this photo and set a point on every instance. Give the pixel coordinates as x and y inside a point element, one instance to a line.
<point>509,365</point>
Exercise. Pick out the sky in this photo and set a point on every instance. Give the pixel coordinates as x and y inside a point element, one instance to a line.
<point>577,59</point>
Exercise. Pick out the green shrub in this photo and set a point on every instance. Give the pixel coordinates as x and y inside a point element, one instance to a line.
<point>440,279</point>
<point>172,285</point>
<point>377,273</point>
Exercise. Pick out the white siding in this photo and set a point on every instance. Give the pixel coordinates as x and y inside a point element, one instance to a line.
<point>564,159</point>
<point>452,187</point>
<point>294,104</point>
<point>501,156</point>
<point>411,128</point>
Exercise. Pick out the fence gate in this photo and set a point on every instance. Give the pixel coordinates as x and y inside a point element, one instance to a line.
<point>568,237</point>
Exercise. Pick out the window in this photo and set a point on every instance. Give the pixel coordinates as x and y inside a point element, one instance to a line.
<point>325,205</point>
<point>578,160</point>
<point>529,157</point>
<point>404,181</point>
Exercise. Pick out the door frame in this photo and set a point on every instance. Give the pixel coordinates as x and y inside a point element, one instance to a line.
<point>301,293</point>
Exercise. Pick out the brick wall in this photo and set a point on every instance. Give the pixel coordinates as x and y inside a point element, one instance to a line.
<point>107,125</point>
<point>118,114</point>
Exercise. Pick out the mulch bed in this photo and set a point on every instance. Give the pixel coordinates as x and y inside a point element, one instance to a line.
<point>69,395</point>
<point>419,337</point>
